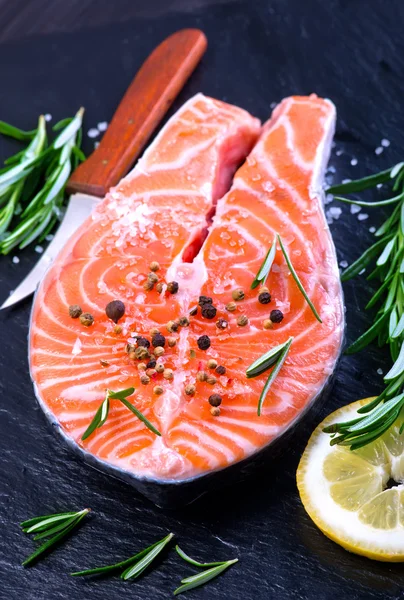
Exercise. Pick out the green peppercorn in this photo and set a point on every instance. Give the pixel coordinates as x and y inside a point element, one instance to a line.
<point>86,319</point>
<point>237,295</point>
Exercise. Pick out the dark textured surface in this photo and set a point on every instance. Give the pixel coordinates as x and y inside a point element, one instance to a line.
<point>351,51</point>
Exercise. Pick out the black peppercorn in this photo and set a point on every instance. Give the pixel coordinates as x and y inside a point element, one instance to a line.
<point>222,323</point>
<point>151,364</point>
<point>276,316</point>
<point>172,287</point>
<point>215,400</point>
<point>115,310</point>
<point>75,311</point>
<point>220,370</point>
<point>204,300</point>
<point>158,340</point>
<point>203,342</point>
<point>141,341</point>
<point>209,311</point>
<point>264,298</point>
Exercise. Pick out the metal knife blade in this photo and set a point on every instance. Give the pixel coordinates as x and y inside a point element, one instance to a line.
<point>78,209</point>
<point>145,103</point>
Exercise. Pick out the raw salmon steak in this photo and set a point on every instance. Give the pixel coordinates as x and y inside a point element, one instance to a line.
<point>173,209</point>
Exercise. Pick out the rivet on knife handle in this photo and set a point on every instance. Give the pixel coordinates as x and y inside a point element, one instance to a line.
<point>145,103</point>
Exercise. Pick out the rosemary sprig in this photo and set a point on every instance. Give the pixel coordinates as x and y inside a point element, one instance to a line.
<point>275,357</point>
<point>102,413</point>
<point>199,579</point>
<point>32,182</point>
<point>265,268</point>
<point>56,527</point>
<point>195,563</point>
<point>387,257</point>
<point>134,566</point>
<point>297,280</point>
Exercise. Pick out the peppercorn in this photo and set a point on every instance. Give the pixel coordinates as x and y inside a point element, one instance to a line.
<point>154,266</point>
<point>151,364</point>
<point>160,368</point>
<point>153,331</point>
<point>159,288</point>
<point>142,341</point>
<point>276,316</point>
<point>204,300</point>
<point>104,363</point>
<point>222,323</point>
<point>152,277</point>
<point>264,298</point>
<point>172,287</point>
<point>171,341</point>
<point>215,411</point>
<point>145,379</point>
<point>211,379</point>
<point>183,321</point>
<point>148,285</point>
<point>267,324</point>
<point>203,342</point>
<point>159,351</point>
<point>212,363</point>
<point>190,390</point>
<point>158,390</point>
<point>132,355</point>
<point>168,374</point>
<point>86,319</point>
<point>193,311</point>
<point>115,310</point>
<point>142,367</point>
<point>209,311</point>
<point>220,370</point>
<point>117,329</point>
<point>158,339</point>
<point>141,353</point>
<point>75,311</point>
<point>151,372</point>
<point>172,326</point>
<point>130,347</point>
<point>242,320</point>
<point>201,376</point>
<point>237,295</point>
<point>215,400</point>
<point>231,306</point>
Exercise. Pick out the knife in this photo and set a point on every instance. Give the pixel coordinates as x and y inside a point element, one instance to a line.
<point>149,96</point>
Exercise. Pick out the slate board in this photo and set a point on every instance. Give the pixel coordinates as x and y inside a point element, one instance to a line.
<point>350,51</point>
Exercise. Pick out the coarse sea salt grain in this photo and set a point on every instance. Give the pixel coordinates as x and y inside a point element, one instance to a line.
<point>93,133</point>
<point>333,214</point>
<point>272,105</point>
<point>346,180</point>
<point>328,198</point>
<point>102,126</point>
<point>355,209</point>
<point>380,371</point>
<point>38,249</point>
<point>372,229</point>
<point>379,150</point>
<point>343,264</point>
<point>363,217</point>
<point>49,237</point>
<point>379,186</point>
<point>16,260</point>
<point>385,143</point>
<point>354,162</point>
<point>339,152</point>
<point>48,117</point>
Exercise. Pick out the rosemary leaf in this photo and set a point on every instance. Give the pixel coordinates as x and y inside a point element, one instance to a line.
<point>361,184</point>
<point>15,132</point>
<point>368,336</point>
<point>370,204</point>
<point>266,361</point>
<point>201,578</point>
<point>273,375</point>
<point>141,565</point>
<point>191,561</point>
<point>30,522</point>
<point>356,267</point>
<point>297,280</point>
<point>386,253</point>
<point>117,566</point>
<point>44,523</point>
<point>140,416</point>
<point>265,267</point>
<point>397,368</point>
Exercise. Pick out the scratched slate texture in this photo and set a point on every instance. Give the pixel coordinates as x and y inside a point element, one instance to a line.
<point>351,51</point>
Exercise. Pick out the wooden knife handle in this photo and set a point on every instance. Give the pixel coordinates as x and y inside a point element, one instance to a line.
<point>149,96</point>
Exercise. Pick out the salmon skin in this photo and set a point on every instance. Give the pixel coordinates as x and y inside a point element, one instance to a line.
<point>173,208</point>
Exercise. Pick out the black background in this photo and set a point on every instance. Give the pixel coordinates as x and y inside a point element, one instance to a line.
<point>58,55</point>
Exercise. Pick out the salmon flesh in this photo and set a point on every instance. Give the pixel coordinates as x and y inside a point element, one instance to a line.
<point>209,227</point>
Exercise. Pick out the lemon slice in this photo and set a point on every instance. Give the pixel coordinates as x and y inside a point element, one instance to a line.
<point>348,494</point>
